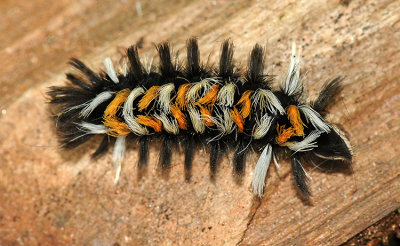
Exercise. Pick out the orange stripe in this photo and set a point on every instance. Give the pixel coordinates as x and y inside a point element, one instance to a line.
<point>237,118</point>
<point>245,103</point>
<point>150,121</point>
<point>210,97</point>
<point>295,119</point>
<point>284,134</point>
<point>181,96</point>
<point>148,97</point>
<point>179,116</point>
<point>206,113</point>
<point>115,127</point>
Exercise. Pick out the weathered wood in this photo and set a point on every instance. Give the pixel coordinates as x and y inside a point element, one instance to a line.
<point>50,196</point>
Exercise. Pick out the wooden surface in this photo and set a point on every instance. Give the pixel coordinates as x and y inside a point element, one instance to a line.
<point>50,196</point>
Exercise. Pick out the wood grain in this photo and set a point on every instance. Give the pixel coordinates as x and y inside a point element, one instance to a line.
<point>49,196</point>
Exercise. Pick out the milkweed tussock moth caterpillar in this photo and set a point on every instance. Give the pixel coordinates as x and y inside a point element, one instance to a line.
<point>196,104</point>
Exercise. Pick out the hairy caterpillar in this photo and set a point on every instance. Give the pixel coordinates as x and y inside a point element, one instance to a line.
<point>196,104</point>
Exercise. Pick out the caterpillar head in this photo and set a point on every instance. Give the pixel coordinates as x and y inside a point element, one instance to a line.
<point>302,129</point>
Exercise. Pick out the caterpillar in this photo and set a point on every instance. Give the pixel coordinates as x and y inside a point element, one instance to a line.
<point>222,107</point>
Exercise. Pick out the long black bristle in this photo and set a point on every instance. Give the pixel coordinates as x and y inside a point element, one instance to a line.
<point>255,76</point>
<point>73,139</point>
<point>256,64</point>
<point>166,67</point>
<point>92,76</point>
<point>165,154</point>
<point>76,81</point>
<point>226,60</point>
<point>215,154</point>
<point>136,67</point>
<point>143,151</point>
<point>239,158</point>
<point>189,152</point>
<point>102,147</point>
<point>68,96</point>
<point>300,177</point>
<point>193,58</point>
<point>327,95</point>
